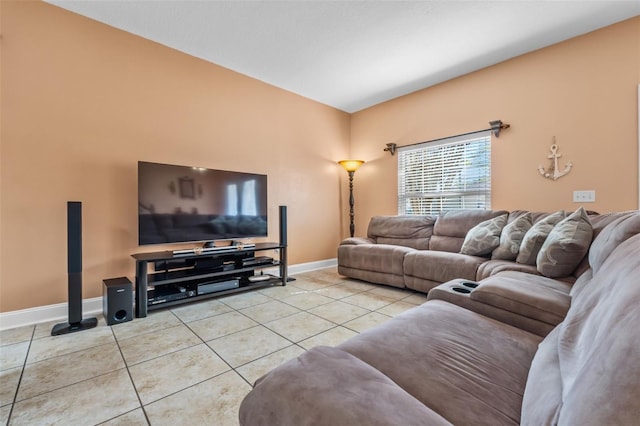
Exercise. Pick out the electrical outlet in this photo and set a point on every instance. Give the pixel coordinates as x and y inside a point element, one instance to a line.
<point>584,196</point>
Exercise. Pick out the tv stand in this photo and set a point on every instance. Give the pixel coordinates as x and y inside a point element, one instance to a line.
<point>183,276</point>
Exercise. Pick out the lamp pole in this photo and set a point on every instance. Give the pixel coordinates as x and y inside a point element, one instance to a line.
<point>352,225</point>
<point>351,166</point>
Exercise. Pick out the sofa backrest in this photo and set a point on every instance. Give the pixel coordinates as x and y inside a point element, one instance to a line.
<point>452,226</point>
<point>586,370</point>
<point>408,231</point>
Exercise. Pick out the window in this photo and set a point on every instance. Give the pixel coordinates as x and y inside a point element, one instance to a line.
<point>448,174</point>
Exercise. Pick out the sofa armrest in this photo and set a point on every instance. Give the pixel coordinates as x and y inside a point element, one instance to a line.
<point>529,302</point>
<point>355,241</point>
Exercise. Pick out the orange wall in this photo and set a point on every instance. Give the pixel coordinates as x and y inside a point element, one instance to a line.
<point>83,102</point>
<point>582,91</point>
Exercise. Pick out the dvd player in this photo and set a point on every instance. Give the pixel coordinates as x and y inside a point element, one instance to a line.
<point>258,260</point>
<point>212,287</point>
<point>161,294</point>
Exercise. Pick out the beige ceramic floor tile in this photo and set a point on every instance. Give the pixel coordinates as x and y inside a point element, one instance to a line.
<point>16,335</point>
<point>299,326</point>
<point>396,308</point>
<point>132,418</point>
<point>213,402</point>
<point>151,345</point>
<point>14,355</point>
<point>49,347</point>
<point>89,402</point>
<point>195,311</point>
<point>269,311</point>
<point>174,372</point>
<point>154,321</point>
<point>366,322</point>
<point>44,329</point>
<point>55,373</point>
<point>280,292</point>
<point>310,284</point>
<point>332,279</point>
<point>248,345</point>
<point>358,285</point>
<point>337,291</point>
<point>221,325</point>
<point>4,414</point>
<point>9,384</point>
<point>307,301</point>
<point>416,298</point>
<point>332,337</point>
<point>368,300</point>
<point>244,300</point>
<point>390,292</point>
<point>256,369</point>
<point>339,312</point>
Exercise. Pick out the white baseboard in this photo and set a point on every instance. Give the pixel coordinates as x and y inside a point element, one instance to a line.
<point>40,314</point>
<point>93,306</point>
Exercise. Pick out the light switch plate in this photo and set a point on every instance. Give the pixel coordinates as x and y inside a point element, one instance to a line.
<point>584,196</point>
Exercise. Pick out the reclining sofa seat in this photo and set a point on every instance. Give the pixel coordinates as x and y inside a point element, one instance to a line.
<point>439,363</point>
<point>422,252</point>
<point>528,301</point>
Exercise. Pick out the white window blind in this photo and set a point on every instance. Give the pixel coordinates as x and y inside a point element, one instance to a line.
<point>450,174</point>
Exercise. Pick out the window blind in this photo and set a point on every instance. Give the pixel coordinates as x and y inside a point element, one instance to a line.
<point>450,174</point>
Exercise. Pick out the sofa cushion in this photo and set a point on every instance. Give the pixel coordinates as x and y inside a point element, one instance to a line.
<point>409,231</point>
<point>535,237</point>
<point>379,263</point>
<point>484,237</point>
<point>468,368</point>
<point>511,238</point>
<point>327,386</point>
<point>565,246</point>
<point>492,267</point>
<point>441,266</point>
<point>451,227</point>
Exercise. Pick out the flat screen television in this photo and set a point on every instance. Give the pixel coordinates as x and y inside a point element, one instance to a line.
<point>179,204</point>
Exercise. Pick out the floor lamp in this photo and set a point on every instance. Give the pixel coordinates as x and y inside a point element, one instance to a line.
<point>351,166</point>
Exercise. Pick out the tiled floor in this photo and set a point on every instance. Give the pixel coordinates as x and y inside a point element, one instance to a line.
<point>192,364</point>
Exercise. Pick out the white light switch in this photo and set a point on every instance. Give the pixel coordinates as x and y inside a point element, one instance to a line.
<point>584,196</point>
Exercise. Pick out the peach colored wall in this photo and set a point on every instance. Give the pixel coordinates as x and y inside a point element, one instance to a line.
<point>582,91</point>
<point>83,102</point>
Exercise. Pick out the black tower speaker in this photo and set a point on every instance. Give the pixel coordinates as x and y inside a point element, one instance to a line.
<point>283,225</point>
<point>74,269</point>
<point>117,300</point>
<point>282,214</point>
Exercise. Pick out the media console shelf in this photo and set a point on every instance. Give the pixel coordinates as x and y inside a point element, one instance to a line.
<point>189,277</point>
<point>186,276</point>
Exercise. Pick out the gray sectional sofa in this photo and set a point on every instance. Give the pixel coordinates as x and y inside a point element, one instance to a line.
<point>518,346</point>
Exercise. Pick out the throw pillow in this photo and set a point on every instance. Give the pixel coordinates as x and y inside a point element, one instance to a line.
<point>535,236</point>
<point>484,237</point>
<point>566,245</point>
<point>511,238</point>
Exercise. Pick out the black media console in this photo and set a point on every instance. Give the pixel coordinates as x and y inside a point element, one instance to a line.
<point>188,275</point>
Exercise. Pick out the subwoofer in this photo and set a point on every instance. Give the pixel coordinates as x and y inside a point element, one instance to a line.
<point>117,300</point>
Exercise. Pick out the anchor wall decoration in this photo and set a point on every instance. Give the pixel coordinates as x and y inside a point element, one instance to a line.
<point>553,172</point>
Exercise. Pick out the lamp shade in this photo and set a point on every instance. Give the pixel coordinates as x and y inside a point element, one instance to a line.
<point>351,165</point>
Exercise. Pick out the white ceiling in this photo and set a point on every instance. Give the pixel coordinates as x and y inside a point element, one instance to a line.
<point>354,54</point>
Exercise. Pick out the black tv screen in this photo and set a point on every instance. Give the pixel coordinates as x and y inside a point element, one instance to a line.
<point>186,204</point>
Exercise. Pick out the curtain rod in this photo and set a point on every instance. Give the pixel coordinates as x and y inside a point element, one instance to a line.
<point>495,128</point>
